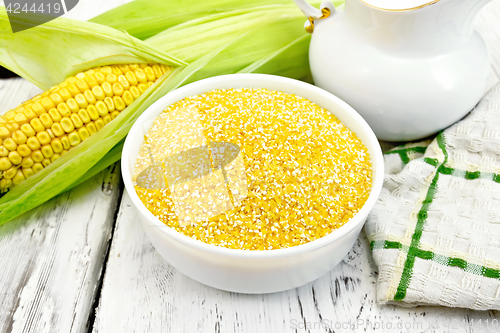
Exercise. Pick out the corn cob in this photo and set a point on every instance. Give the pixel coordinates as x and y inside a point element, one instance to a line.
<point>44,128</point>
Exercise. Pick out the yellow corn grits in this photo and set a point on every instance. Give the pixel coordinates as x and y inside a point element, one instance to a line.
<point>307,173</point>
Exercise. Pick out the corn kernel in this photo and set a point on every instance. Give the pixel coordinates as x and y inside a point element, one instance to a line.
<point>119,103</point>
<point>27,162</point>
<point>57,146</point>
<point>33,143</point>
<point>141,76</point>
<point>116,70</point>
<point>107,88</point>
<point>73,89</point>
<point>5,184</point>
<point>82,85</point>
<point>91,81</point>
<point>47,151</point>
<point>19,137</point>
<point>117,89</point>
<point>115,114</point>
<point>93,113</point>
<point>47,103</point>
<point>135,92</point>
<point>9,115</point>
<point>56,98</point>
<point>106,119</point>
<point>99,124</point>
<point>64,110</point>
<point>74,138</point>
<point>123,81</point>
<point>127,98</point>
<point>89,96</point>
<point>30,114</point>
<point>81,101</point>
<point>131,78</point>
<point>5,163</point>
<point>15,158</point>
<point>37,125</point>
<point>142,87</point>
<point>54,157</point>
<point>157,71</point>
<point>76,120</point>
<point>20,118</point>
<point>24,150</point>
<point>83,133</point>
<point>65,142</point>
<point>111,79</point>
<point>43,137</point>
<point>106,70</point>
<point>18,178</point>
<point>72,105</point>
<point>102,109</point>
<point>46,162</point>
<point>55,115</point>
<point>28,130</point>
<point>10,144</point>
<point>65,94</point>
<point>109,103</point>
<point>10,173</point>
<point>91,128</point>
<point>100,77</point>
<point>124,68</point>
<point>98,93</point>
<point>150,74</point>
<point>46,120</point>
<point>67,125</point>
<point>57,129</point>
<point>27,172</point>
<point>84,115</point>
<point>37,167</point>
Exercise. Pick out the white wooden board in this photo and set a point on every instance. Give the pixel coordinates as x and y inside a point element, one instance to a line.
<point>51,258</point>
<point>51,261</point>
<point>143,293</point>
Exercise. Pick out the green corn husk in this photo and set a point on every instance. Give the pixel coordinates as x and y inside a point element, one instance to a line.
<point>145,18</point>
<point>241,43</point>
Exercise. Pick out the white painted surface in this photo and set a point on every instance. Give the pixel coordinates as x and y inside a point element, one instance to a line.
<point>51,258</point>
<point>142,292</point>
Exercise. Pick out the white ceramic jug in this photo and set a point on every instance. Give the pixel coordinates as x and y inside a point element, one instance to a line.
<point>409,67</point>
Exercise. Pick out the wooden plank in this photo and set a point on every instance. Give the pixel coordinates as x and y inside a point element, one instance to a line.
<point>142,292</point>
<point>52,257</point>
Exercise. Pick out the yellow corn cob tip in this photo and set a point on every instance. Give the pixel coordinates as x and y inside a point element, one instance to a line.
<point>42,129</point>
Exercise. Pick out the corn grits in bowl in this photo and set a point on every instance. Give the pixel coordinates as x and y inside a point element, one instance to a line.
<point>252,183</point>
<point>302,172</point>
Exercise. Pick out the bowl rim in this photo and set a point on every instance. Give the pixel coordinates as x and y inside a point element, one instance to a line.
<point>184,91</point>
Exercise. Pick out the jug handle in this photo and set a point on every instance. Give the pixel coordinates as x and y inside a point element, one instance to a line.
<point>312,13</point>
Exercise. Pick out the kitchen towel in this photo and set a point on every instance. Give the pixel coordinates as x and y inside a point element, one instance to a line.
<point>435,230</point>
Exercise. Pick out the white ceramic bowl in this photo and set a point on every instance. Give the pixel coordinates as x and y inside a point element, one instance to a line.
<point>253,271</point>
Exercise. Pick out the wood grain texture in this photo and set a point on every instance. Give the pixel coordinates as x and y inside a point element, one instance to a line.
<point>142,292</point>
<point>52,257</point>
